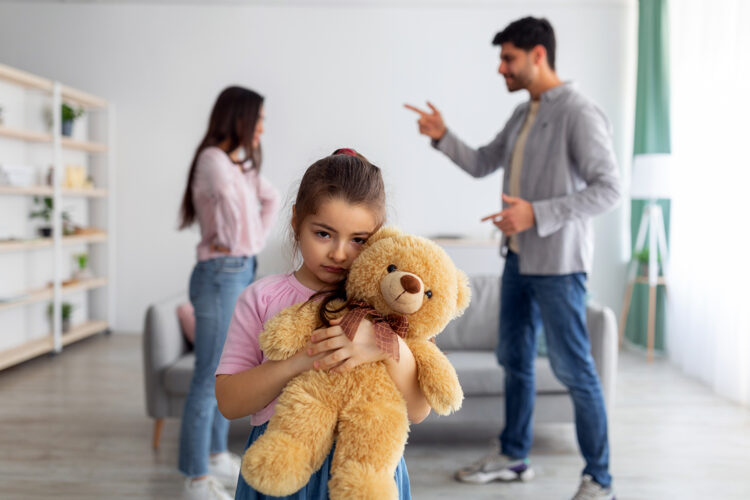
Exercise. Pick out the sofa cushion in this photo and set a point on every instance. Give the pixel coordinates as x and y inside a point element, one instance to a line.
<point>177,377</point>
<point>480,375</point>
<point>477,329</point>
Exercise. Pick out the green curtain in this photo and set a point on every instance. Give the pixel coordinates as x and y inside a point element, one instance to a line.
<point>651,135</point>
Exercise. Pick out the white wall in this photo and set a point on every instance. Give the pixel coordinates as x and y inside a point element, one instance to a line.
<point>333,74</point>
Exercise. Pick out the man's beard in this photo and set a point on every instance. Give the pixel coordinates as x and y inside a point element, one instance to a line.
<point>517,82</point>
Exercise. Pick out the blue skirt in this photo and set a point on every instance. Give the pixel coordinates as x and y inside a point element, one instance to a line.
<point>317,488</point>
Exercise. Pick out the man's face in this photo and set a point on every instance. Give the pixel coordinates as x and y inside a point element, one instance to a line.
<point>516,66</point>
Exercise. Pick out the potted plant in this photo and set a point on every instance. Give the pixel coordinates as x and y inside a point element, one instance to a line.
<point>642,258</point>
<point>82,270</point>
<point>44,212</point>
<point>45,207</point>
<point>68,115</point>
<point>66,311</point>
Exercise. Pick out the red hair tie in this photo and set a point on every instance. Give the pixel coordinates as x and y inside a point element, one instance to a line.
<point>345,151</point>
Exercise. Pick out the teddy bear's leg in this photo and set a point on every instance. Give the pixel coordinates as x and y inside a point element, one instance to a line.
<point>369,446</point>
<point>295,444</point>
<point>437,377</point>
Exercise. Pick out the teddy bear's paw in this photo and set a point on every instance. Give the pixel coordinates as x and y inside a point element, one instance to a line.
<point>277,464</point>
<point>288,331</point>
<point>445,401</point>
<point>355,481</point>
<point>278,345</point>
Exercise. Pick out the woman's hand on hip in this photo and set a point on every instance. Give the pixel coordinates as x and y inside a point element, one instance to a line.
<point>215,247</point>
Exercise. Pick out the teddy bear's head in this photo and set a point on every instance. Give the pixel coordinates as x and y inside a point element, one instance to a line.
<point>409,275</point>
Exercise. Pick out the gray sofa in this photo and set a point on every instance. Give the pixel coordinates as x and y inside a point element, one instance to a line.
<point>469,343</point>
<point>168,362</point>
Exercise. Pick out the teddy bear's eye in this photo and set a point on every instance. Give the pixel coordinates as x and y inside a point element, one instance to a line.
<point>429,294</point>
<point>391,268</point>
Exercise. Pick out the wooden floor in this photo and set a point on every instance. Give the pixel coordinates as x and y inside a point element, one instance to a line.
<point>73,426</point>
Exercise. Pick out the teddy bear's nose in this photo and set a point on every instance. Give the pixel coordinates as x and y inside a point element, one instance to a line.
<point>410,283</point>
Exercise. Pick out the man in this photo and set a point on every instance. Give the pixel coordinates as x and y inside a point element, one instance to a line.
<point>559,171</point>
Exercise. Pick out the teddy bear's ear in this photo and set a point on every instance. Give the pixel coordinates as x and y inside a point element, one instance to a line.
<point>464,292</point>
<point>382,233</point>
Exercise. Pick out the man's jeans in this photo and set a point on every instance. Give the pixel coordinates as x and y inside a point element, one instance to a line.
<point>215,285</point>
<point>558,303</point>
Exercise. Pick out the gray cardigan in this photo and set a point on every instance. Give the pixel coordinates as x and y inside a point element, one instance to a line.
<point>569,175</point>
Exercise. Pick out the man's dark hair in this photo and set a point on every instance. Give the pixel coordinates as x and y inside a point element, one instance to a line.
<point>527,33</point>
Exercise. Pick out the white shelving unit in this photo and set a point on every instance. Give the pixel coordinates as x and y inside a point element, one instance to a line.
<point>38,271</point>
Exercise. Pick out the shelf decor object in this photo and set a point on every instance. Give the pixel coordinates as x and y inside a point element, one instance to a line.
<point>69,115</point>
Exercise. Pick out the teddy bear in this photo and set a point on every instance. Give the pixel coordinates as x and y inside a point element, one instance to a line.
<point>405,285</point>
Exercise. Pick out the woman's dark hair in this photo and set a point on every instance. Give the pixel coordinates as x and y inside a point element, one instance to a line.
<point>345,175</point>
<point>234,117</point>
<point>527,33</point>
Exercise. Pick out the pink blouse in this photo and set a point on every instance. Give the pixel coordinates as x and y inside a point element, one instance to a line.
<point>235,209</point>
<point>257,304</point>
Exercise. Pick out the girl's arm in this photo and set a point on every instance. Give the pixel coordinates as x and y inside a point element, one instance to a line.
<point>404,374</point>
<point>245,383</point>
<point>346,354</point>
<point>248,392</point>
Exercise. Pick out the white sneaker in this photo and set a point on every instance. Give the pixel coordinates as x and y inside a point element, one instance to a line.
<point>204,489</point>
<point>496,467</point>
<point>226,468</point>
<point>591,490</point>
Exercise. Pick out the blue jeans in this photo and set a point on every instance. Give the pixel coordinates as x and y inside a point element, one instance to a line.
<point>214,287</point>
<point>558,303</point>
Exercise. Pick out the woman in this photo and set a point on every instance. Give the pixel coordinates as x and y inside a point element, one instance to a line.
<point>235,208</point>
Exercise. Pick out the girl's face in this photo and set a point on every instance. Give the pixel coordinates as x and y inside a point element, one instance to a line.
<point>330,240</point>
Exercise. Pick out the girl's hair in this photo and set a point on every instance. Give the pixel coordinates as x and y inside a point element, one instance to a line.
<point>345,175</point>
<point>234,117</point>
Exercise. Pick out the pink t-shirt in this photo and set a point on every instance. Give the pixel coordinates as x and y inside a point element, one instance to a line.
<point>258,303</point>
<point>235,209</point>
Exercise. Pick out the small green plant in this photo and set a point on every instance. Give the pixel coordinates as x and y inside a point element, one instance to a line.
<point>642,256</point>
<point>69,113</point>
<point>44,208</point>
<point>642,259</point>
<point>83,260</point>
<point>66,310</point>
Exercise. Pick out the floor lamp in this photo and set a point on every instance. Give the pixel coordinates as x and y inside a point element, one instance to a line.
<point>649,182</point>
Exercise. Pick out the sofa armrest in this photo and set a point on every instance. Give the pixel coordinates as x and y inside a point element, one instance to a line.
<point>163,345</point>
<point>602,327</point>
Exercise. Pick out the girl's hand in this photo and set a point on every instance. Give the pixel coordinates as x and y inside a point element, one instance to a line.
<point>338,354</point>
<point>304,359</point>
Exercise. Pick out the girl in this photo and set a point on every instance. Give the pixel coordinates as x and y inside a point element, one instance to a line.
<point>340,203</point>
<point>235,208</point>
